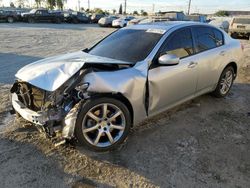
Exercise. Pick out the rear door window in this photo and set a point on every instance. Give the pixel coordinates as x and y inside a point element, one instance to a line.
<point>204,38</point>
<point>218,37</point>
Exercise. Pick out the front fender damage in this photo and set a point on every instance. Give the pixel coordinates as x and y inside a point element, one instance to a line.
<point>129,82</point>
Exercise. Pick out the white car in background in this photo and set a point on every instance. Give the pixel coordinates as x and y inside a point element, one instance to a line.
<point>222,24</point>
<point>135,21</point>
<point>122,22</point>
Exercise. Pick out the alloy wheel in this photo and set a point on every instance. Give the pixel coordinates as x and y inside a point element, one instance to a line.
<point>226,82</point>
<point>103,125</point>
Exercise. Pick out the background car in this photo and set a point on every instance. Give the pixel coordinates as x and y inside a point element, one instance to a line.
<point>240,26</point>
<point>107,21</point>
<point>135,21</point>
<point>224,25</point>
<point>96,17</point>
<point>42,15</point>
<point>8,16</point>
<point>76,17</point>
<point>122,22</point>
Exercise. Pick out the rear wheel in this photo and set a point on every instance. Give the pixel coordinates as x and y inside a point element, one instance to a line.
<point>225,82</point>
<point>103,124</point>
<point>58,20</point>
<point>75,21</point>
<point>234,35</point>
<point>10,19</point>
<point>31,20</point>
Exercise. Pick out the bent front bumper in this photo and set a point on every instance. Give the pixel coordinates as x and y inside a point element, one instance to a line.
<point>39,118</point>
<point>29,115</point>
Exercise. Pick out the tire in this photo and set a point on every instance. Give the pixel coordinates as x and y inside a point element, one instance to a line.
<point>10,19</point>
<point>31,20</point>
<point>58,20</point>
<point>102,127</point>
<point>234,35</point>
<point>75,21</point>
<point>219,92</point>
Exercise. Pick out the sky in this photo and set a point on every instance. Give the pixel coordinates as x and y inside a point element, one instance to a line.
<point>198,6</point>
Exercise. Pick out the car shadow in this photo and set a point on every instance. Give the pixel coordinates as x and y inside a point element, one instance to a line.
<point>10,63</point>
<point>184,145</point>
<point>196,144</point>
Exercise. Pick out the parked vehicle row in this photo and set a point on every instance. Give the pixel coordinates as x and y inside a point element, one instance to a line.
<point>44,15</point>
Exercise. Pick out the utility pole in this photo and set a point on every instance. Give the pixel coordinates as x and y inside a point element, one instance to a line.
<point>79,5</point>
<point>125,7</point>
<point>189,5</point>
<point>88,5</point>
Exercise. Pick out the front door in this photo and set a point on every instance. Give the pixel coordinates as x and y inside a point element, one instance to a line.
<point>169,85</point>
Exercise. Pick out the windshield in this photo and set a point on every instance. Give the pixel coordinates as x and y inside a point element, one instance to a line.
<point>129,45</point>
<point>33,11</point>
<point>242,20</point>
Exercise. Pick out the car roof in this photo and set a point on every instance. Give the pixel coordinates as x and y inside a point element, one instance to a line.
<point>165,25</point>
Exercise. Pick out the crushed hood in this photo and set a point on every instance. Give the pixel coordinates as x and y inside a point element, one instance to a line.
<point>50,73</point>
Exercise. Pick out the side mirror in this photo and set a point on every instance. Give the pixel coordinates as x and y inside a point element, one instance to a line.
<point>169,59</point>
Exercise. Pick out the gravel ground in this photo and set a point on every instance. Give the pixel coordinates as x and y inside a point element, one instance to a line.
<point>202,143</point>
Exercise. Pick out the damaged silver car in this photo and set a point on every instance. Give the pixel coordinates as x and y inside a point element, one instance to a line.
<point>98,94</point>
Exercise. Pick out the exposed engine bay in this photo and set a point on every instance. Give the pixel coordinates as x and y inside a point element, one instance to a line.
<point>54,106</point>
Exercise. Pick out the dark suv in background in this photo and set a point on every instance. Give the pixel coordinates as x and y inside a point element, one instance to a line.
<point>76,17</point>
<point>8,16</point>
<point>42,15</point>
<point>96,17</point>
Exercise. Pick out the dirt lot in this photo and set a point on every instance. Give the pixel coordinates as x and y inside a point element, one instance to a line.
<point>203,143</point>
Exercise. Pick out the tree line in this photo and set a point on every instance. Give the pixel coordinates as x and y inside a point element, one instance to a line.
<point>51,4</point>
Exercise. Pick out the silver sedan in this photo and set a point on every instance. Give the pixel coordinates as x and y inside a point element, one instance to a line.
<point>98,94</point>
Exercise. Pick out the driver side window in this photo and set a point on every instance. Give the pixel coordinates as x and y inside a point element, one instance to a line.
<point>179,43</point>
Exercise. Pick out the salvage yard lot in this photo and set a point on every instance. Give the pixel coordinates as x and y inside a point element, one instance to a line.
<point>202,143</point>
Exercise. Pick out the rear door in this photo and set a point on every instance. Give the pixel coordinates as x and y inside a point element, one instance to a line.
<point>169,85</point>
<point>38,16</point>
<point>211,52</point>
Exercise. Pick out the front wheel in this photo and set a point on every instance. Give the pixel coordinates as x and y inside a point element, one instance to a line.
<point>225,82</point>
<point>102,124</point>
<point>10,19</point>
<point>58,20</point>
<point>31,20</point>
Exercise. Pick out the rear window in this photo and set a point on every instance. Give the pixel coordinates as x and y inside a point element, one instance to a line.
<point>129,45</point>
<point>218,37</point>
<point>205,39</point>
<point>242,20</point>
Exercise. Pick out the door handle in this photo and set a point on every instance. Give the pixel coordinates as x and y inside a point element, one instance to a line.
<point>192,64</point>
<point>222,53</point>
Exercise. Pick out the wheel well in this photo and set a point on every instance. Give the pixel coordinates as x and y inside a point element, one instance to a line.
<point>123,99</point>
<point>234,65</point>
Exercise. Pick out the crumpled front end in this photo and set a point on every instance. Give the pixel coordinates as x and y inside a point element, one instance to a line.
<point>56,110</point>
